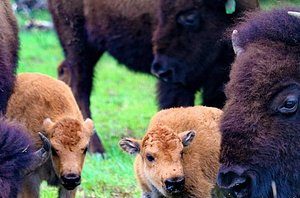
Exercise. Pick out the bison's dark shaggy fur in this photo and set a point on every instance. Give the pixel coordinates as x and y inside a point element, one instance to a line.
<point>261,123</point>
<point>8,52</point>
<point>15,157</point>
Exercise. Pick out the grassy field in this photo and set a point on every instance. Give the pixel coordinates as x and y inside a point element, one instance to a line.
<point>122,104</point>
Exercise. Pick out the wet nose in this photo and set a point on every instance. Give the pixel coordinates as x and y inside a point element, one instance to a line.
<point>161,70</point>
<point>70,181</point>
<point>235,180</point>
<point>175,185</point>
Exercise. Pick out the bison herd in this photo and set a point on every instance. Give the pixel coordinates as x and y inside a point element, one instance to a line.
<point>244,61</point>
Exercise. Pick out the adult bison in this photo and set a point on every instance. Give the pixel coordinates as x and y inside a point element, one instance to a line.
<point>9,44</point>
<point>17,157</point>
<point>260,150</point>
<point>189,52</point>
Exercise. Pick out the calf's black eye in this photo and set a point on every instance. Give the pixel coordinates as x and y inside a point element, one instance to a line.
<point>189,19</point>
<point>85,150</point>
<point>54,151</point>
<point>290,105</point>
<point>150,158</point>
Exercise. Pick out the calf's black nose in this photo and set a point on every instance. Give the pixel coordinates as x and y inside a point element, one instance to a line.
<point>70,181</point>
<point>235,180</point>
<point>175,185</point>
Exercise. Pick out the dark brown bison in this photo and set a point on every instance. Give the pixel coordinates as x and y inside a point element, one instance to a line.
<point>260,150</point>
<point>17,157</point>
<point>189,52</point>
<point>9,44</point>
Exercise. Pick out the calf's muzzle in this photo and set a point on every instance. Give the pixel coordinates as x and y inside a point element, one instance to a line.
<point>175,185</point>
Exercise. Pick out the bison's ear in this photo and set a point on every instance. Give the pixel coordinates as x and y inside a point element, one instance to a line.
<point>89,126</point>
<point>130,145</point>
<point>47,125</point>
<point>187,137</point>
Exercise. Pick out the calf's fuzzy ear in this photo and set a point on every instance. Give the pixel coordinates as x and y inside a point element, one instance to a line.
<point>187,137</point>
<point>130,146</point>
<point>89,126</point>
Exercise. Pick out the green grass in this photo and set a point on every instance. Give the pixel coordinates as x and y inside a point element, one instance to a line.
<point>122,104</point>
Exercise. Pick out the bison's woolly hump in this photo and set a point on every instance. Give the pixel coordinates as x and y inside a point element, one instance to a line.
<point>15,157</point>
<point>260,127</point>
<point>178,155</point>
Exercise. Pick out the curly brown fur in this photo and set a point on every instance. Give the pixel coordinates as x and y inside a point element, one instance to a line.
<point>184,143</point>
<point>259,132</point>
<point>42,103</point>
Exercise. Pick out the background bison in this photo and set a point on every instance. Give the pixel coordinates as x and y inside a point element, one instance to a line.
<point>260,128</point>
<point>190,53</point>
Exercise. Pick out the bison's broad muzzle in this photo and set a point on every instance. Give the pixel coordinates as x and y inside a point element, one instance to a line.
<point>236,180</point>
<point>70,181</point>
<point>165,68</point>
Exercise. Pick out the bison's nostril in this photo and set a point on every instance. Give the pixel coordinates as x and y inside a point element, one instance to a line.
<point>161,71</point>
<point>175,185</point>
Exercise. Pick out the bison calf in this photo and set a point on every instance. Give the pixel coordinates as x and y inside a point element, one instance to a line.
<point>178,156</point>
<point>42,103</point>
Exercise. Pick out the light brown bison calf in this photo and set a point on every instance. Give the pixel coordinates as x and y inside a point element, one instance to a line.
<point>178,156</point>
<point>44,104</point>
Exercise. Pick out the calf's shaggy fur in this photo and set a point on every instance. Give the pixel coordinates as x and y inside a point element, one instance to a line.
<point>260,127</point>
<point>42,103</point>
<point>178,155</point>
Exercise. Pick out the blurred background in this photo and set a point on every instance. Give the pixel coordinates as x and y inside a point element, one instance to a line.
<point>120,105</point>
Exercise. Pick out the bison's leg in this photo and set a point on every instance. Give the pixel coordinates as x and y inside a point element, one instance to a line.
<point>63,193</point>
<point>78,66</point>
<point>213,96</point>
<point>174,95</point>
<point>30,187</point>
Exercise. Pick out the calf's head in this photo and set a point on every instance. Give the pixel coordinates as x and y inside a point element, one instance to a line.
<point>188,37</point>
<point>261,122</point>
<point>69,140</point>
<point>162,152</point>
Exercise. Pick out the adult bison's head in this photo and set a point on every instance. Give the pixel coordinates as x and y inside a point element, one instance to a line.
<point>161,151</point>
<point>260,150</point>
<point>69,140</point>
<point>188,37</point>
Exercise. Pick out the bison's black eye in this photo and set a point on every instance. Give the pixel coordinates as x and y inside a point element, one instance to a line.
<point>290,105</point>
<point>189,19</point>
<point>150,158</point>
